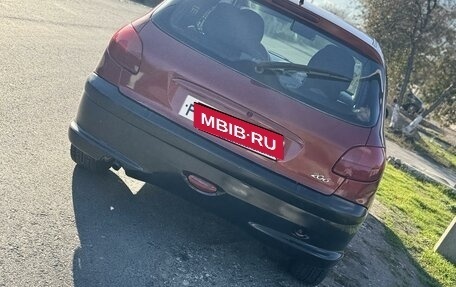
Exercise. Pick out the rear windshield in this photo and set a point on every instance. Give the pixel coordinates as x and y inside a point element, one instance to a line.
<point>286,55</point>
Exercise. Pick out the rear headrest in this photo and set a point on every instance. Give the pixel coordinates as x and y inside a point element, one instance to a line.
<point>334,59</point>
<point>255,24</point>
<point>221,23</point>
<point>239,28</point>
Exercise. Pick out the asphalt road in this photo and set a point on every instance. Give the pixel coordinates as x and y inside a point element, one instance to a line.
<point>61,226</point>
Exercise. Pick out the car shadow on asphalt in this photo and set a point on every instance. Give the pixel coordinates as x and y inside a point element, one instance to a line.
<point>151,3</point>
<point>155,238</point>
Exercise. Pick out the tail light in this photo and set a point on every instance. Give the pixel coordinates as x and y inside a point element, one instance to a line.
<point>126,48</point>
<point>363,164</point>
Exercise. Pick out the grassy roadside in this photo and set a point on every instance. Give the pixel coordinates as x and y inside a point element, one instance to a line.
<point>447,156</point>
<point>427,148</point>
<point>417,214</point>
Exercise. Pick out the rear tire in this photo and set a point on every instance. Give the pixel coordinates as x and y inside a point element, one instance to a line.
<point>309,275</point>
<point>87,162</point>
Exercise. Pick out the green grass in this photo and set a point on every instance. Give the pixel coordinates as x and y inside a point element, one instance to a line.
<point>418,213</point>
<point>447,157</point>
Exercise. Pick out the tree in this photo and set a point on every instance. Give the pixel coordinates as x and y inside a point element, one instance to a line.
<point>406,29</point>
<point>338,11</point>
<point>418,33</point>
<point>418,40</point>
<point>351,13</point>
<point>435,73</point>
<point>446,94</point>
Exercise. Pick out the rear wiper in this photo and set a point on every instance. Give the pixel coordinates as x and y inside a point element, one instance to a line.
<point>376,74</point>
<point>279,56</point>
<point>281,66</point>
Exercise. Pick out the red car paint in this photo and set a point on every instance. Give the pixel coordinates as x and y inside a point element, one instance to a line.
<point>160,72</point>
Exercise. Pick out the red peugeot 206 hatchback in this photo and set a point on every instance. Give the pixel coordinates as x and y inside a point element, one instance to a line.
<point>269,112</point>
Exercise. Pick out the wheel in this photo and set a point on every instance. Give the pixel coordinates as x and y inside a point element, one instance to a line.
<point>309,275</point>
<point>87,162</point>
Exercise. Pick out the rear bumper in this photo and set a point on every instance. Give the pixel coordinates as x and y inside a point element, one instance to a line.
<point>154,149</point>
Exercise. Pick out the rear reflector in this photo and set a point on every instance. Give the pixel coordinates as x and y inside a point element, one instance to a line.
<point>201,184</point>
<point>363,164</point>
<point>126,48</point>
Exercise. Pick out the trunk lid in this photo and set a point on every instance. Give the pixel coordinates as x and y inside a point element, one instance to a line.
<point>314,141</point>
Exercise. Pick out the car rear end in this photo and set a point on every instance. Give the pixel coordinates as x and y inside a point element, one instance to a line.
<point>269,64</point>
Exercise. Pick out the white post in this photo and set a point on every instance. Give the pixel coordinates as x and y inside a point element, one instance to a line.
<point>408,130</point>
<point>447,243</point>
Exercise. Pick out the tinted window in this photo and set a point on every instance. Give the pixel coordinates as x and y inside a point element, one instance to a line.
<point>283,53</point>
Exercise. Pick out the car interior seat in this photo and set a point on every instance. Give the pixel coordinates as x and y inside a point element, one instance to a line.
<point>335,60</point>
<point>235,34</point>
